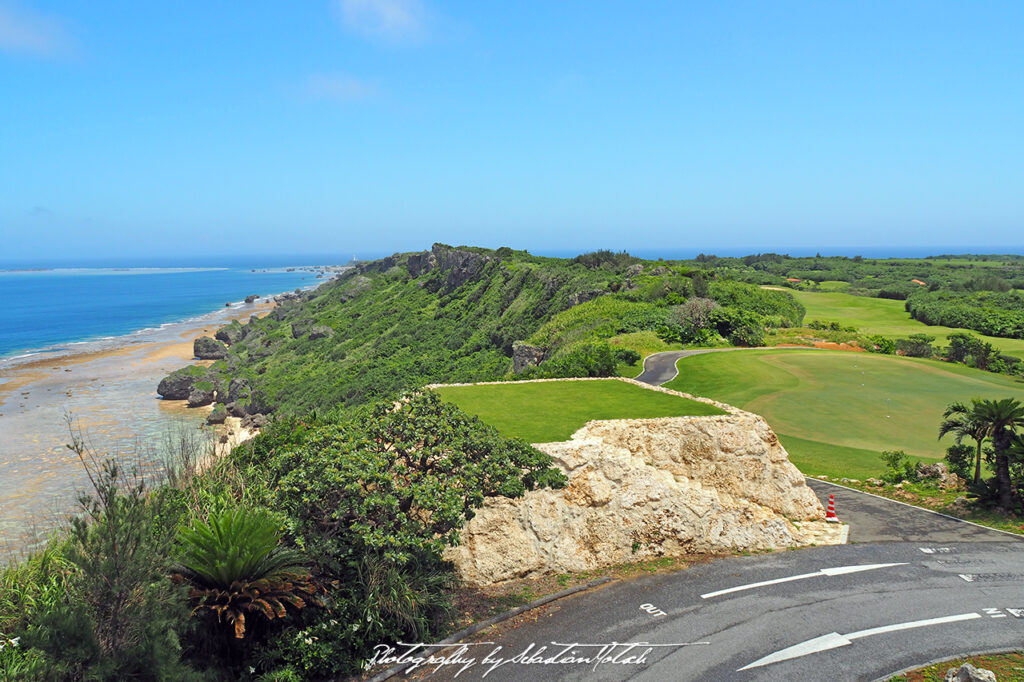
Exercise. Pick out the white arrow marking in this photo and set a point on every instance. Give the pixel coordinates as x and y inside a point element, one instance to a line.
<point>834,640</point>
<point>838,570</point>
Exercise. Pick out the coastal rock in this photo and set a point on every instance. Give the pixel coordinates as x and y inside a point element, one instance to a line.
<point>301,327</point>
<point>584,296</point>
<point>231,333</point>
<point>202,393</point>
<point>320,331</point>
<point>459,265</point>
<point>207,348</point>
<point>255,421</point>
<point>418,263</point>
<point>640,489</point>
<point>218,415</point>
<point>634,270</point>
<point>238,389</point>
<point>251,298</point>
<point>178,384</point>
<point>524,355</point>
<point>235,410</point>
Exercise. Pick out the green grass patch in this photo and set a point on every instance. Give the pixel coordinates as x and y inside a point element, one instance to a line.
<point>885,317</point>
<point>544,412</point>
<point>835,408</point>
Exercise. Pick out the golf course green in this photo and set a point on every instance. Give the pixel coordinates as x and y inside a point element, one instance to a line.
<point>836,411</point>
<point>548,411</point>
<point>885,317</point>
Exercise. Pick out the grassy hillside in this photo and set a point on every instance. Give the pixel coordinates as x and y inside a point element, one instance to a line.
<point>549,411</point>
<point>836,411</point>
<point>885,317</point>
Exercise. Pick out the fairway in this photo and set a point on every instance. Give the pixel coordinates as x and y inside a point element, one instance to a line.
<point>543,412</point>
<point>884,316</point>
<point>835,411</point>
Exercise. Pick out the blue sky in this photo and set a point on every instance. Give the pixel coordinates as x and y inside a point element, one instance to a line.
<point>358,126</point>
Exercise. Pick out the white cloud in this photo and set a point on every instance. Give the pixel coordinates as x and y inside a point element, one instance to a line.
<point>338,86</point>
<point>29,33</point>
<point>395,21</point>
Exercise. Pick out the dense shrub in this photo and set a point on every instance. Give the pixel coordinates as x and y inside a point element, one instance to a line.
<point>754,299</point>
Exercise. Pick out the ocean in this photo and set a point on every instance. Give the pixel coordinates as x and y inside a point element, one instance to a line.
<point>82,350</point>
<point>55,309</point>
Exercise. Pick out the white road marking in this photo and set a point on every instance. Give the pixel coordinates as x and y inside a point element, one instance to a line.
<point>968,577</point>
<point>1016,613</point>
<point>838,570</point>
<point>994,613</point>
<point>935,550</point>
<point>834,640</point>
<point>652,609</point>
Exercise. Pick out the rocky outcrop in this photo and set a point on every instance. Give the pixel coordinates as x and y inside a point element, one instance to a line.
<point>584,296</point>
<point>640,489</point>
<point>218,415</point>
<point>320,331</point>
<point>202,394</point>
<point>238,389</point>
<point>251,298</point>
<point>524,355</point>
<point>178,384</point>
<point>207,348</point>
<point>231,333</point>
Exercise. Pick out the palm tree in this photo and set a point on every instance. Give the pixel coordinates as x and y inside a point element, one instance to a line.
<point>1001,417</point>
<point>236,567</point>
<point>964,423</point>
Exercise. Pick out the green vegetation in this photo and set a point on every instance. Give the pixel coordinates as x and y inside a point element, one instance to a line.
<point>289,559</point>
<point>989,312</point>
<point>863,403</point>
<point>883,317</point>
<point>552,411</point>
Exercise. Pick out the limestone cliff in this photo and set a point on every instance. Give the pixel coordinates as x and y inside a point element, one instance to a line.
<point>645,488</point>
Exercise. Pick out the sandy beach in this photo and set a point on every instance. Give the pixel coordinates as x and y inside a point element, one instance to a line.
<point>110,395</point>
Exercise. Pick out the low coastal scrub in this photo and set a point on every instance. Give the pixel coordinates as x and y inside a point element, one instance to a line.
<point>289,559</point>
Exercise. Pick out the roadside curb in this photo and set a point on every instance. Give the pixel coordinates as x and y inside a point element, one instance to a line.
<point>493,620</point>
<point>1016,536</point>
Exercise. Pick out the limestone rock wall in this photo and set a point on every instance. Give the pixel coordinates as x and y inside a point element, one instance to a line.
<point>639,489</point>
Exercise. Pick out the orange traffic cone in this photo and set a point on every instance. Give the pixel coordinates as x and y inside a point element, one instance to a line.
<point>830,515</point>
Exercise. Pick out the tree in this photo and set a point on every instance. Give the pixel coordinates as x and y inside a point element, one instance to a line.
<point>1001,418</point>
<point>965,423</point>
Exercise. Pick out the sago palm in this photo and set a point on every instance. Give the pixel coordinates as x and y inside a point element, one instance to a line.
<point>236,567</point>
<point>963,422</point>
<point>1001,417</point>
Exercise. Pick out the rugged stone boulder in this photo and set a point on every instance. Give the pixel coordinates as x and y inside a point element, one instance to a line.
<point>202,393</point>
<point>301,327</point>
<point>584,296</point>
<point>254,421</point>
<point>418,263</point>
<point>524,355</point>
<point>968,673</point>
<point>321,331</point>
<point>251,298</point>
<point>231,333</point>
<point>238,389</point>
<point>640,489</point>
<point>941,473</point>
<point>207,348</point>
<point>178,384</point>
<point>218,415</point>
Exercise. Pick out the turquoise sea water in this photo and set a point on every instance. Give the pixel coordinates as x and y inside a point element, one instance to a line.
<point>56,309</point>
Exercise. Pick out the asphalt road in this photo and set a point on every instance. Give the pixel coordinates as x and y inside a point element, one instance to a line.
<point>912,587</point>
<point>925,602</point>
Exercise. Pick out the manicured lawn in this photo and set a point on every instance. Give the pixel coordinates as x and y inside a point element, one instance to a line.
<point>836,410</point>
<point>885,317</point>
<point>544,412</point>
